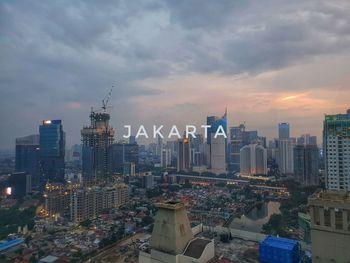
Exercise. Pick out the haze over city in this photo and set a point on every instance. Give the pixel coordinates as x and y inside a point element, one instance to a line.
<point>173,63</point>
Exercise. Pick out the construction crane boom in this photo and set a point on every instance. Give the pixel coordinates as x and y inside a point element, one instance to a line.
<point>106,100</point>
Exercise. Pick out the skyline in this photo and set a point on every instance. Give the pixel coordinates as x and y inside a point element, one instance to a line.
<point>289,62</point>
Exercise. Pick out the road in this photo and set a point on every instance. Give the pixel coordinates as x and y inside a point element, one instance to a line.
<point>113,254</point>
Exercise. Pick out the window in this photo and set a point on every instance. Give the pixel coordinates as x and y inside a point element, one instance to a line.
<point>339,219</point>
<point>327,217</point>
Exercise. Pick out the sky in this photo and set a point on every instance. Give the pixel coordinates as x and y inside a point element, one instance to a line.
<point>173,63</point>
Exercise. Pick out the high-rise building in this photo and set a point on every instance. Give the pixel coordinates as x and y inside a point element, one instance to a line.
<point>330,226</point>
<point>217,154</point>
<point>217,147</point>
<point>184,155</point>
<point>236,143</point>
<point>284,156</point>
<point>88,203</point>
<point>306,162</point>
<point>307,139</point>
<point>283,131</point>
<point>28,157</point>
<point>253,160</point>
<point>52,150</point>
<point>120,153</point>
<point>20,184</point>
<point>97,139</point>
<point>165,158</point>
<point>129,169</point>
<point>336,147</point>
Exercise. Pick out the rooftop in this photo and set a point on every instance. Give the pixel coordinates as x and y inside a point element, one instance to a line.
<point>329,195</point>
<point>279,242</point>
<point>196,247</point>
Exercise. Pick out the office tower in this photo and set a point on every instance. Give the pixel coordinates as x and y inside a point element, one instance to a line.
<point>97,139</point>
<point>52,150</point>
<point>330,226</point>
<point>283,131</point>
<point>28,157</point>
<point>284,156</point>
<point>20,184</point>
<point>217,147</point>
<point>132,140</point>
<point>217,155</point>
<point>250,137</point>
<point>253,160</point>
<point>183,155</point>
<point>336,146</point>
<point>236,143</point>
<point>121,153</point>
<point>307,139</point>
<point>165,158</point>
<point>306,163</point>
<point>172,238</point>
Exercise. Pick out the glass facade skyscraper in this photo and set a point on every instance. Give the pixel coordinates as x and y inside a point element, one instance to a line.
<point>52,150</point>
<point>283,130</point>
<point>28,157</point>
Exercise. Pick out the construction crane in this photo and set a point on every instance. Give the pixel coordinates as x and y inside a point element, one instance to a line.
<point>106,100</point>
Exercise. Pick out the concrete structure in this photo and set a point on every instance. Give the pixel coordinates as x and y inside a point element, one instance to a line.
<point>253,160</point>
<point>330,226</point>
<point>284,156</point>
<point>97,139</point>
<point>165,158</point>
<point>217,147</point>
<point>172,239</point>
<point>306,162</point>
<point>218,155</point>
<point>88,203</point>
<point>336,146</point>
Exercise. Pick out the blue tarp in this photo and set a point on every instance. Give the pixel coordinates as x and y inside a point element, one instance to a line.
<point>9,244</point>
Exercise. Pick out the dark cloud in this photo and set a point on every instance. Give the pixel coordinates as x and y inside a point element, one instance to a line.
<point>58,52</point>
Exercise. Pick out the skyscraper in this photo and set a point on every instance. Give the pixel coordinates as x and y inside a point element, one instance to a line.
<point>284,156</point>
<point>253,160</point>
<point>183,155</point>
<point>236,143</point>
<point>336,146</point>
<point>283,130</point>
<point>307,139</point>
<point>217,147</point>
<point>120,153</point>
<point>97,139</point>
<point>306,164</point>
<point>52,150</point>
<point>28,157</point>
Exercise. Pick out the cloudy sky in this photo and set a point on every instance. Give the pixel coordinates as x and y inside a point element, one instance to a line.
<point>173,62</point>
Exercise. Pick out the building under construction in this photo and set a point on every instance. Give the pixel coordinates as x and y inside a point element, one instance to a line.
<point>97,139</point>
